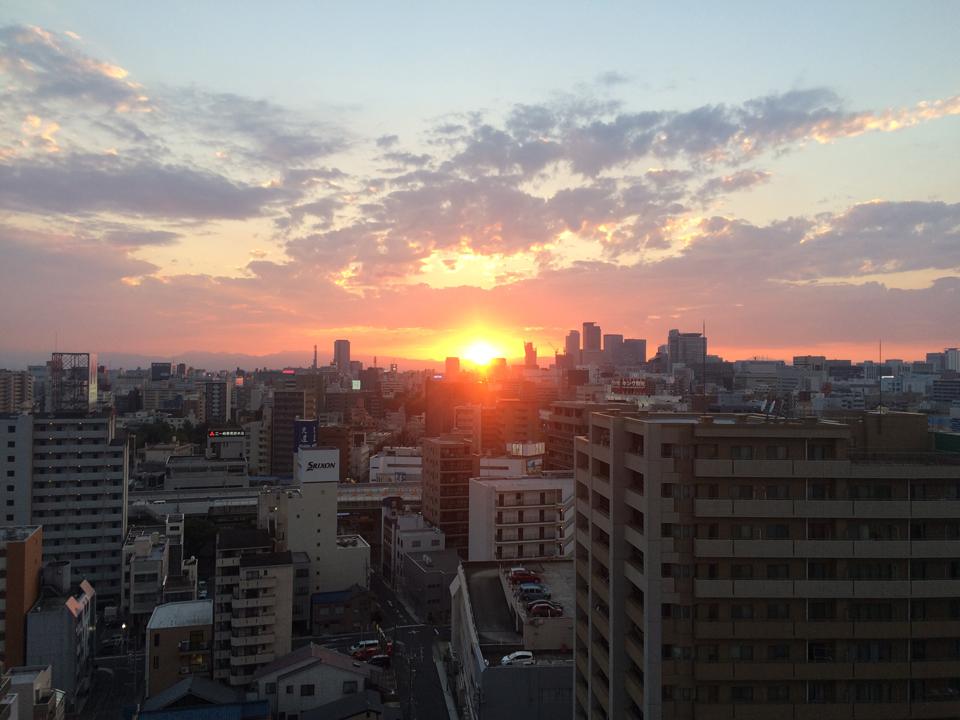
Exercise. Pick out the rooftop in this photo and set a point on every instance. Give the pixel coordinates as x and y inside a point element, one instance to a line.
<point>284,557</point>
<point>445,561</point>
<point>181,614</point>
<point>18,533</point>
<point>528,482</point>
<point>311,654</point>
<point>240,538</point>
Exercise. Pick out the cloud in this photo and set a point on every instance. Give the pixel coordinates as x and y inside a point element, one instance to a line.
<point>387,141</point>
<point>726,184</point>
<point>82,184</point>
<point>611,78</point>
<point>141,238</point>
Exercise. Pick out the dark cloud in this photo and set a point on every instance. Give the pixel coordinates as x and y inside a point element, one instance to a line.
<point>141,238</point>
<point>76,184</point>
<point>387,141</point>
<point>725,184</point>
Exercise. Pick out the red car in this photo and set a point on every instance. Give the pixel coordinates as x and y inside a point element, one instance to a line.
<point>366,653</point>
<point>544,610</point>
<point>524,577</point>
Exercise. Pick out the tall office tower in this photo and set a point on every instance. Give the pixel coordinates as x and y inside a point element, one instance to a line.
<point>448,465</point>
<point>252,604</point>
<point>688,349</point>
<point>451,368</point>
<point>341,355</point>
<point>613,348</point>
<point>571,348</point>
<point>634,351</point>
<point>73,382</point>
<point>216,402</point>
<point>735,565</point>
<point>529,356</point>
<point>286,407</point>
<point>591,337</point>
<point>21,555</point>
<point>16,391</point>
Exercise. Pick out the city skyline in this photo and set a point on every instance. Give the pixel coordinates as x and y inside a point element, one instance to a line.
<point>168,193</point>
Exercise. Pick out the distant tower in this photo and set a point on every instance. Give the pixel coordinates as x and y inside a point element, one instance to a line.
<point>314,357</point>
<point>341,355</point>
<point>591,337</point>
<point>452,367</point>
<point>529,355</point>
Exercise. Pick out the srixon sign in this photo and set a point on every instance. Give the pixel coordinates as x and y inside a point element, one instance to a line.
<point>318,465</point>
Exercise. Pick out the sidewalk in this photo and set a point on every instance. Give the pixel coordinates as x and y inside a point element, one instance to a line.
<point>439,648</point>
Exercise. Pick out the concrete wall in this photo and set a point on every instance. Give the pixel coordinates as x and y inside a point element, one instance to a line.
<point>533,692</point>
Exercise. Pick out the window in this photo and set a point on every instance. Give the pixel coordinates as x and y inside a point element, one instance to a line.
<point>778,571</point>
<point>156,662</point>
<point>778,611</point>
<point>743,532</point>
<point>741,652</point>
<point>741,612</point>
<point>289,689</point>
<point>778,532</point>
<point>741,693</point>
<point>741,572</point>
<point>741,452</point>
<point>778,653</point>
<point>349,687</point>
<point>270,688</point>
<point>778,694</point>
<point>306,690</point>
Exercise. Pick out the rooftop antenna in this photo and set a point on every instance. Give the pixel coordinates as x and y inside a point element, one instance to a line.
<point>880,378</point>
<point>314,357</point>
<point>703,361</point>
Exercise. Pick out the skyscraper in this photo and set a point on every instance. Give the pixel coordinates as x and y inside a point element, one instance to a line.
<point>613,347</point>
<point>529,356</point>
<point>341,355</point>
<point>591,337</point>
<point>688,349</point>
<point>571,349</point>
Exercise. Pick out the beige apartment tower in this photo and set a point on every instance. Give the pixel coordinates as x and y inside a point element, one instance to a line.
<point>748,567</point>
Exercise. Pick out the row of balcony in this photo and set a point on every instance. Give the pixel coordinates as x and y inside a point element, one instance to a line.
<point>868,589</point>
<point>827,548</point>
<point>873,509</point>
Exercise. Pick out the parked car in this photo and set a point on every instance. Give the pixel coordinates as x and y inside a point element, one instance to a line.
<point>533,591</point>
<point>367,649</point>
<point>520,657</point>
<point>541,601</point>
<point>380,661</point>
<point>545,610</point>
<point>364,645</point>
<point>521,575</point>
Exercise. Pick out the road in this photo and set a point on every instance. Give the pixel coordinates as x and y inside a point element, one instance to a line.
<point>418,685</point>
<point>113,686</point>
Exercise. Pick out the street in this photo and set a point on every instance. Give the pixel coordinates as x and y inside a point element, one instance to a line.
<point>113,686</point>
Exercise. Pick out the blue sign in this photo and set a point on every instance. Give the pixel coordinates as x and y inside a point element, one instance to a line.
<point>304,433</point>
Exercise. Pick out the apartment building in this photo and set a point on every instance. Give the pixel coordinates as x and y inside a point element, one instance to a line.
<point>448,465</point>
<point>252,604</point>
<point>404,532</point>
<point>734,566</point>
<point>178,640</point>
<point>145,566</point>
<point>69,473</point>
<point>21,559</point>
<point>520,518</point>
<point>566,420</point>
<point>37,698</point>
<point>16,391</point>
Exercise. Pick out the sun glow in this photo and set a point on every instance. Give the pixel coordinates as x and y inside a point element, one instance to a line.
<point>480,352</point>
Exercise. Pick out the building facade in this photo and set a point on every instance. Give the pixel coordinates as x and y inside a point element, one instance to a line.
<point>739,566</point>
<point>448,465</point>
<point>527,518</point>
<point>179,637</point>
<point>21,560</point>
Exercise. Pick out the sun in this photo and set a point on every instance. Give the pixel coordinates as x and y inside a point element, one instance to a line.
<point>480,352</point>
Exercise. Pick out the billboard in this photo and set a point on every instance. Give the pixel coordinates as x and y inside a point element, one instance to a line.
<point>317,465</point>
<point>304,432</point>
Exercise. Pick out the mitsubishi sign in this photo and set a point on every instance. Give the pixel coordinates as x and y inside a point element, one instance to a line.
<point>316,465</point>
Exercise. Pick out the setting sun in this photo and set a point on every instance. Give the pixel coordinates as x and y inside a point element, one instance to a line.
<point>481,352</point>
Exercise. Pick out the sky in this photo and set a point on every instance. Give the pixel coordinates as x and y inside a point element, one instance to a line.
<point>240,178</point>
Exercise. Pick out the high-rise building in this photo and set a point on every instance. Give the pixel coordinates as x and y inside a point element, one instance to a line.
<point>69,473</point>
<point>216,402</point>
<point>529,356</point>
<point>591,337</point>
<point>21,559</point>
<point>951,359</point>
<point>567,420</point>
<point>613,348</point>
<point>252,604</point>
<point>179,636</point>
<point>634,351</point>
<point>443,395</point>
<point>687,349</point>
<point>571,348</point>
<point>160,371</point>
<point>451,368</point>
<point>286,407</point>
<point>800,568</point>
<point>16,391</point>
<point>448,465</point>
<point>341,355</point>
